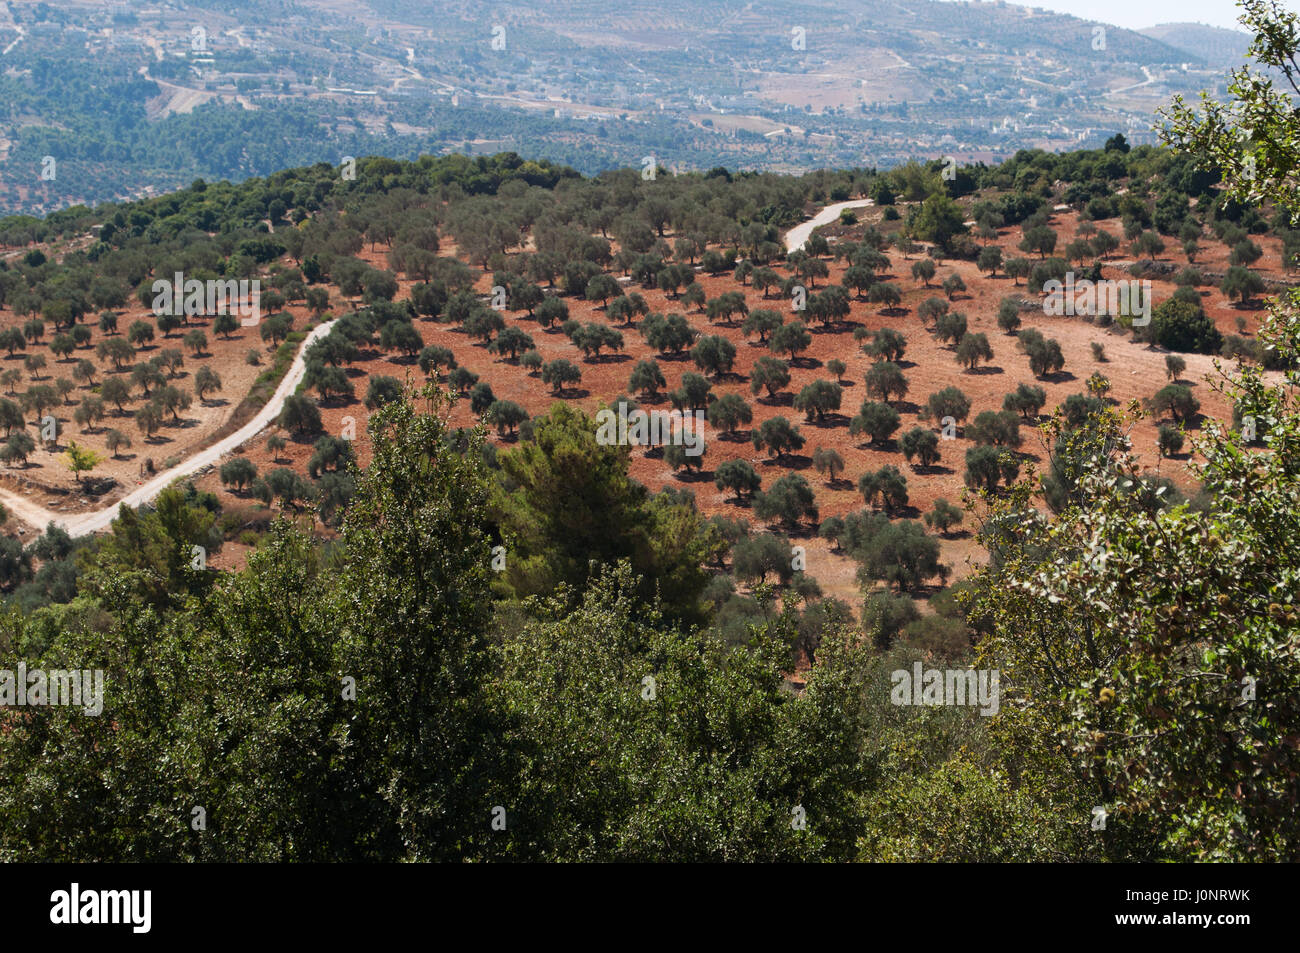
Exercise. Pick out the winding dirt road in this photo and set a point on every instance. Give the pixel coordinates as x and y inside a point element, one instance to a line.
<point>796,237</point>
<point>81,524</point>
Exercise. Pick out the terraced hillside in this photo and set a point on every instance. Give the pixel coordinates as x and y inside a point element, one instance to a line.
<point>855,346</point>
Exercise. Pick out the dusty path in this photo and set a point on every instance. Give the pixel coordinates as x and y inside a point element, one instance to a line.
<point>796,237</point>
<point>81,524</point>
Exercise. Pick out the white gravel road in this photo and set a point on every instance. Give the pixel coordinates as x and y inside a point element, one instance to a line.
<point>81,524</point>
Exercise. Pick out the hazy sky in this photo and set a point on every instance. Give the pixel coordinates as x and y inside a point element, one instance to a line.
<point>1136,14</point>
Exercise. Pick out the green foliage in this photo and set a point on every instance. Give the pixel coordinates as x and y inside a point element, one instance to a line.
<point>939,220</point>
<point>1026,400</point>
<point>381,390</point>
<point>1000,428</point>
<point>973,348</point>
<point>668,335</point>
<point>1126,622</point>
<point>876,421</point>
<point>1045,355</point>
<point>1169,440</point>
<point>301,414</point>
<point>932,309</point>
<point>646,378</point>
<point>922,444</point>
<point>239,472</point>
<point>790,339</point>
<point>943,517</point>
<point>694,394</point>
<point>714,355</point>
<point>1182,326</point>
<point>1009,315</point>
<point>729,412</point>
<point>829,463</point>
<point>885,614</point>
<point>571,508</point>
<point>778,435</point>
<point>761,321</point>
<point>559,374</point>
<point>738,476</point>
<point>886,344</point>
<point>1242,284</point>
<point>506,415</point>
<point>888,485</point>
<point>1133,670</point>
<point>885,381</point>
<point>789,500</point>
<point>899,554</point>
<point>948,402</point>
<point>591,666</point>
<point>818,399</point>
<point>770,374</point>
<point>677,457</point>
<point>148,555</point>
<point>754,557</point>
<point>987,465</point>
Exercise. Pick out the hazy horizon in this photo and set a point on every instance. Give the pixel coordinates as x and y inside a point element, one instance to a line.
<point>1132,16</point>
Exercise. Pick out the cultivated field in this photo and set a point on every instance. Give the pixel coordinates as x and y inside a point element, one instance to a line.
<point>1135,371</point>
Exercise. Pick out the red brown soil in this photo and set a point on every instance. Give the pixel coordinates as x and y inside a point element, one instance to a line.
<point>1134,370</point>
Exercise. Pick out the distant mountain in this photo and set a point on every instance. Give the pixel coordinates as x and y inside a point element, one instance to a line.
<point>102,101</point>
<point>1209,44</point>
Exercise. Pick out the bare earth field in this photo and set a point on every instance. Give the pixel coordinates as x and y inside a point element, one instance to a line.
<point>1135,371</point>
